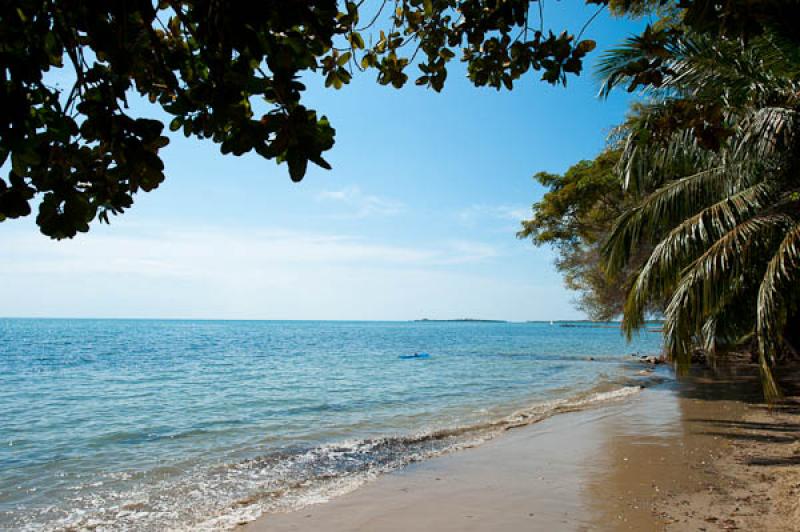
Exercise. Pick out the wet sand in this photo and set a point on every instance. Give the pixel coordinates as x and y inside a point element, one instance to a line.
<point>685,457</point>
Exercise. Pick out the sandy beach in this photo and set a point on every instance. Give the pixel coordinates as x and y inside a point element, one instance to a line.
<point>674,457</point>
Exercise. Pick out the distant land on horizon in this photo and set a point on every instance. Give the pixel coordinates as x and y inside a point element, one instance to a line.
<point>463,320</point>
<point>587,321</point>
<point>433,320</point>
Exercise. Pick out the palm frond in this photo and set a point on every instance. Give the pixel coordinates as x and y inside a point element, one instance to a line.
<point>712,159</point>
<point>662,209</point>
<point>714,276</point>
<point>782,270</point>
<point>766,133</point>
<point>684,243</point>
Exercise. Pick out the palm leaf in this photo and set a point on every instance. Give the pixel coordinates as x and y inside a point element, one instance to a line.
<point>713,277</point>
<point>683,244</point>
<point>781,271</point>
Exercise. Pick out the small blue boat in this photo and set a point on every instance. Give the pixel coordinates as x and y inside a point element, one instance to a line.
<point>415,355</point>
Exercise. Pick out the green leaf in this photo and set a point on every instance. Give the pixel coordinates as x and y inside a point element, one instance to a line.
<point>297,166</point>
<point>344,58</point>
<point>586,46</point>
<point>356,40</point>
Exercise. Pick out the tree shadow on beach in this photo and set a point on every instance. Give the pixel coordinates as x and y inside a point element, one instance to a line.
<point>739,382</point>
<point>732,384</point>
<point>791,408</point>
<point>775,435</point>
<point>775,461</point>
<point>783,436</point>
<point>751,425</point>
<point>765,438</point>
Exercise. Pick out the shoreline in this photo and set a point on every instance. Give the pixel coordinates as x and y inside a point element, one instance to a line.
<point>677,456</point>
<point>290,415</point>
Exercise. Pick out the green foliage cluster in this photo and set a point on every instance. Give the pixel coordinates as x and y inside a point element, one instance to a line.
<point>210,64</point>
<point>580,205</point>
<point>575,216</point>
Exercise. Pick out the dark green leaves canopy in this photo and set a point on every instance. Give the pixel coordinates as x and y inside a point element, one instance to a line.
<point>210,64</point>
<point>575,216</point>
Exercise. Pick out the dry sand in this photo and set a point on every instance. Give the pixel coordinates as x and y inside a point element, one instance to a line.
<point>688,457</point>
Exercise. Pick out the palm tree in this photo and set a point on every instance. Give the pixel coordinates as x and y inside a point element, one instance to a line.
<point>713,156</point>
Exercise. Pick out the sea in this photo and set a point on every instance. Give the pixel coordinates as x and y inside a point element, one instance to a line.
<point>201,425</point>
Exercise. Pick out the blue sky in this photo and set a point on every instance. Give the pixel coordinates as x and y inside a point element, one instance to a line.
<point>417,218</point>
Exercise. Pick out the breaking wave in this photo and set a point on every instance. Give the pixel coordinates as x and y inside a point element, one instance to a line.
<point>226,495</point>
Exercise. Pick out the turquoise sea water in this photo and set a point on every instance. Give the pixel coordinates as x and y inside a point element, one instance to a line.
<point>153,425</point>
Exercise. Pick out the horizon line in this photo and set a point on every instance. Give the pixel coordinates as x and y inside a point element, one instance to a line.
<point>412,320</point>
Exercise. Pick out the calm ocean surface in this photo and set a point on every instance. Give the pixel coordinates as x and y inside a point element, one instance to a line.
<point>153,425</point>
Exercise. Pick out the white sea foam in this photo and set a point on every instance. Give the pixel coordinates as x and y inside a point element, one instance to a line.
<point>232,494</point>
<point>321,492</point>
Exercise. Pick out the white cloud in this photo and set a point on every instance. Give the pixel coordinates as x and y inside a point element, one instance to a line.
<point>463,251</point>
<point>358,204</point>
<point>194,253</point>
<point>474,214</point>
<point>260,274</point>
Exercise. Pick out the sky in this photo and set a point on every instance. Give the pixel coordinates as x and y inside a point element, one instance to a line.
<point>417,219</point>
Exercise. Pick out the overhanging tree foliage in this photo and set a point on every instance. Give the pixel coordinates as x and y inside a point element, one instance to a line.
<point>214,65</point>
<point>211,65</point>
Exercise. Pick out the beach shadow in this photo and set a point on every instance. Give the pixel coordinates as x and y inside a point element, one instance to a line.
<point>739,382</point>
<point>766,438</point>
<point>750,425</point>
<point>778,433</point>
<point>744,388</point>
<point>775,461</point>
<point>787,408</point>
<point>736,382</point>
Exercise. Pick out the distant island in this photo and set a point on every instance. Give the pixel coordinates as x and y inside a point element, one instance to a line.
<point>471,320</point>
